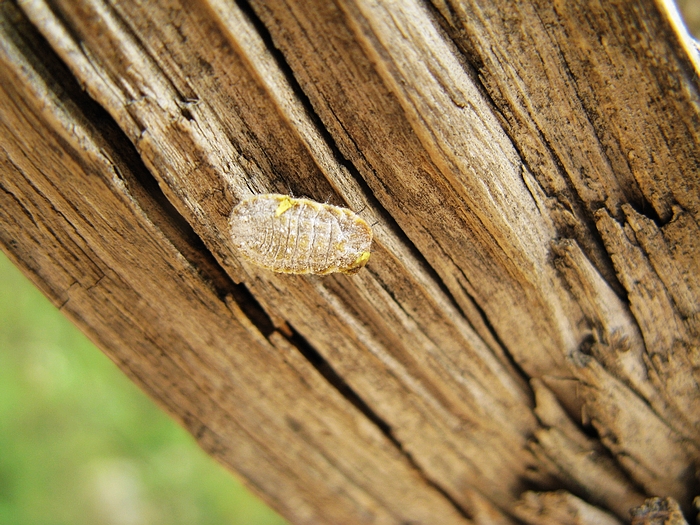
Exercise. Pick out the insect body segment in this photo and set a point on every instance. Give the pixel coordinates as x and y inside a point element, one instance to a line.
<point>290,235</point>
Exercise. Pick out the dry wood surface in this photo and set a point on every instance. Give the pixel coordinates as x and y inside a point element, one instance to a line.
<point>524,343</point>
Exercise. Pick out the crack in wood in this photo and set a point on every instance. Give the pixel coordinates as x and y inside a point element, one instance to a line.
<point>336,381</point>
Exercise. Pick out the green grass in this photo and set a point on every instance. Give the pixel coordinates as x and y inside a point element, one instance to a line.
<point>80,444</point>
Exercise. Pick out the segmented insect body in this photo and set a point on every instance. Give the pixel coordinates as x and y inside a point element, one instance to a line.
<point>289,235</point>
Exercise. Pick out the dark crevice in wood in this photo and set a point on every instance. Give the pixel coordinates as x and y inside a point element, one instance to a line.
<point>336,381</point>
<point>140,184</point>
<point>645,210</point>
<point>392,226</point>
<point>37,51</point>
<point>306,103</point>
<point>288,73</point>
<point>494,333</point>
<point>252,309</point>
<point>320,128</point>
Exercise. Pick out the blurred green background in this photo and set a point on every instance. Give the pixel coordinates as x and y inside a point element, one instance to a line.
<point>80,444</point>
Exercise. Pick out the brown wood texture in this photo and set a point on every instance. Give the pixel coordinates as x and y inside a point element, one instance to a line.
<point>524,342</point>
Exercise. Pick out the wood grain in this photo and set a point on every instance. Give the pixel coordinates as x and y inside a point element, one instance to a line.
<point>528,321</point>
<point>71,222</point>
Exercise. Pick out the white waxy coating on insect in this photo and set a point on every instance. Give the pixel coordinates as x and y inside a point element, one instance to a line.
<point>289,235</point>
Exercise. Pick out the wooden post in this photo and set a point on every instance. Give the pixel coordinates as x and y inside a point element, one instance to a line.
<point>524,342</point>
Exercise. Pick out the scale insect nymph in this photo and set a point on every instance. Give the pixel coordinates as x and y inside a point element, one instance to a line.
<point>289,235</point>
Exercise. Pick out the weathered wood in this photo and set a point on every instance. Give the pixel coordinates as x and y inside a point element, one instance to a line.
<point>560,508</point>
<point>74,217</point>
<point>658,511</point>
<point>529,316</point>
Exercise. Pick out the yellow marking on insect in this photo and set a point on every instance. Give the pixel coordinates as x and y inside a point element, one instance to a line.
<point>361,260</point>
<point>288,235</point>
<point>284,205</point>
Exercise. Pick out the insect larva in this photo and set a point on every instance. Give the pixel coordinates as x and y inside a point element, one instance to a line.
<point>289,235</point>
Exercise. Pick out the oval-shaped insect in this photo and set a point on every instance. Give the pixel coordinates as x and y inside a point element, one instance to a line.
<point>290,235</point>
